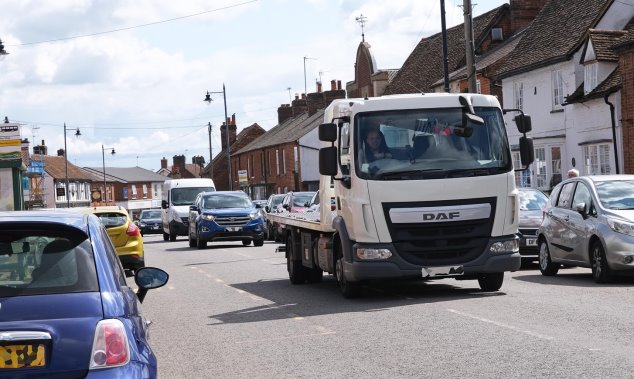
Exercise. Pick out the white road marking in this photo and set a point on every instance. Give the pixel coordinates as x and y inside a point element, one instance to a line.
<point>502,325</point>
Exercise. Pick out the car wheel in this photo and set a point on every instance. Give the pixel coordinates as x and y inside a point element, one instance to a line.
<point>259,242</point>
<point>491,282</point>
<point>600,269</point>
<point>166,236</point>
<point>546,265</point>
<point>172,237</point>
<point>200,243</point>
<point>246,242</point>
<point>349,290</point>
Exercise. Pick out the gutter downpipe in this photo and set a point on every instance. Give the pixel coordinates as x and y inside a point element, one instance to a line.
<point>616,156</point>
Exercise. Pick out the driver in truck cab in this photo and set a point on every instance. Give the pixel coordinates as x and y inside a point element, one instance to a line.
<point>375,146</point>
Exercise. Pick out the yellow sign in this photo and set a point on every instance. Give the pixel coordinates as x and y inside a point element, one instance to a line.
<point>10,142</point>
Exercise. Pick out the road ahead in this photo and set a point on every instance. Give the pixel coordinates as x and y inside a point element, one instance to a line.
<point>230,312</point>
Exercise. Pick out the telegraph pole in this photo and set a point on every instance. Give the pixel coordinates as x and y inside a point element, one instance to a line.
<point>445,58</point>
<point>469,48</point>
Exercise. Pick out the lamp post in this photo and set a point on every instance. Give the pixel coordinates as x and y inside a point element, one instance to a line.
<point>103,162</point>
<point>208,99</point>
<point>77,134</point>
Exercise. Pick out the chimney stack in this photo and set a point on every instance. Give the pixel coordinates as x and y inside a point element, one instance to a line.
<point>334,93</point>
<point>523,12</point>
<point>40,150</point>
<point>60,153</point>
<point>164,163</point>
<point>319,87</point>
<point>284,112</point>
<point>333,85</point>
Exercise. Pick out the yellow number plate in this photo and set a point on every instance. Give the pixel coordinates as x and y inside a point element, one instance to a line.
<point>19,356</point>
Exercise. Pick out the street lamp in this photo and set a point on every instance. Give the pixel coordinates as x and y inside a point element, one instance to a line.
<point>77,134</point>
<point>208,99</point>
<point>103,162</point>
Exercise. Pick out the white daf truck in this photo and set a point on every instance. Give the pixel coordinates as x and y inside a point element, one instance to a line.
<point>440,201</point>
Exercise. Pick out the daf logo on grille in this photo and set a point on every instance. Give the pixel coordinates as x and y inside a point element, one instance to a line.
<point>441,216</point>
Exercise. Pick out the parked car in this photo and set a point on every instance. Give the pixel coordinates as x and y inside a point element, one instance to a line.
<point>589,222</point>
<point>532,204</point>
<point>67,311</point>
<point>150,222</point>
<point>296,201</point>
<point>224,216</point>
<point>271,207</point>
<point>125,235</point>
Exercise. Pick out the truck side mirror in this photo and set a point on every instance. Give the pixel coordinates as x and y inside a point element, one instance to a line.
<point>328,132</point>
<point>328,160</point>
<point>523,122</point>
<point>163,204</point>
<point>527,154</point>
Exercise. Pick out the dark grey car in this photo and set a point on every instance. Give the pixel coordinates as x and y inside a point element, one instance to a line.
<point>589,222</point>
<point>532,205</point>
<point>150,221</point>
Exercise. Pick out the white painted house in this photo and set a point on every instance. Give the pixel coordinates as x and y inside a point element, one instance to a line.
<point>564,82</point>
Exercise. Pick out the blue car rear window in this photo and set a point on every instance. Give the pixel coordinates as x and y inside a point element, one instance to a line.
<point>40,262</point>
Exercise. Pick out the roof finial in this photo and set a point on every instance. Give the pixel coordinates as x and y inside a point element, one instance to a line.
<point>361,20</point>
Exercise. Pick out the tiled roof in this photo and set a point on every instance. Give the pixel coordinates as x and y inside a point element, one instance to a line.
<point>427,56</point>
<point>602,42</point>
<point>554,35</point>
<point>127,174</point>
<point>55,166</point>
<point>289,131</point>
<point>489,58</point>
<point>611,84</point>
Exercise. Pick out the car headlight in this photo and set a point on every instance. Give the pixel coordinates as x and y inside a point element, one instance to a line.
<point>254,215</point>
<point>207,217</point>
<point>621,226</point>
<point>505,246</point>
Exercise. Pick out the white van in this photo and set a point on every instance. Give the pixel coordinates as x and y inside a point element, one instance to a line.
<point>178,195</point>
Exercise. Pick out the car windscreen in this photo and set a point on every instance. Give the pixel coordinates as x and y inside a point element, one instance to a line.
<point>150,214</point>
<point>187,195</point>
<point>113,219</point>
<point>300,200</point>
<point>45,261</point>
<point>532,200</point>
<point>219,201</point>
<point>276,200</point>
<point>616,194</point>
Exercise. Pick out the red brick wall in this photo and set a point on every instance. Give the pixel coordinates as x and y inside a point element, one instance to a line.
<point>626,67</point>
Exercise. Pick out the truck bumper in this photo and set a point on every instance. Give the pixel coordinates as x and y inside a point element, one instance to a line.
<point>396,267</point>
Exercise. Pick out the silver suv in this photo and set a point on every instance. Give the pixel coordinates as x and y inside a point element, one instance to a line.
<point>589,222</point>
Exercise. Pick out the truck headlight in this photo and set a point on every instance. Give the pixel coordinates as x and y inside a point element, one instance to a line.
<point>505,246</point>
<point>621,226</point>
<point>373,254</point>
<point>207,217</point>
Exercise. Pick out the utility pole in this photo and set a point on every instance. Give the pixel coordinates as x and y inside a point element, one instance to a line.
<point>445,57</point>
<point>469,48</point>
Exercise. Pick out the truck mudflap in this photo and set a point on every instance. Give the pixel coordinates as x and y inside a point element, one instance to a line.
<point>395,267</point>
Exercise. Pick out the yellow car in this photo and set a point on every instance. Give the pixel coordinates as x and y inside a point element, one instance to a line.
<point>124,234</point>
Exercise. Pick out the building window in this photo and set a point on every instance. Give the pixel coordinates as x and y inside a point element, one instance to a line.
<point>263,166</point>
<point>295,159</point>
<point>478,87</point>
<point>268,160</point>
<point>155,186</point>
<point>145,191</point>
<point>597,159</point>
<point>283,163</point>
<point>590,77</point>
<point>277,161</point>
<point>540,168</point>
<point>133,191</point>
<point>558,89</point>
<point>518,95</point>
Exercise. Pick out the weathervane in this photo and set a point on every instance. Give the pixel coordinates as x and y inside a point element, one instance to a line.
<point>361,20</point>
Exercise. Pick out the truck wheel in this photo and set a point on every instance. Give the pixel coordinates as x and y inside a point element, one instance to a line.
<point>296,272</point>
<point>491,282</point>
<point>246,242</point>
<point>166,236</point>
<point>258,242</point>
<point>172,237</point>
<point>349,290</point>
<point>200,243</point>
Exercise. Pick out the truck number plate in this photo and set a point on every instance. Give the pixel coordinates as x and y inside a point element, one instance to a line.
<point>429,272</point>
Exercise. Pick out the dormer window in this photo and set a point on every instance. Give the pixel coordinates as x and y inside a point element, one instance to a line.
<point>590,77</point>
<point>558,89</point>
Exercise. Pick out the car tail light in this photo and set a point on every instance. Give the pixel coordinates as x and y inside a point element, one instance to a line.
<point>110,346</point>
<point>133,230</point>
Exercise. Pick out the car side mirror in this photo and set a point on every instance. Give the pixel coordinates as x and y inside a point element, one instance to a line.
<point>581,208</point>
<point>164,204</point>
<point>193,208</point>
<point>148,278</point>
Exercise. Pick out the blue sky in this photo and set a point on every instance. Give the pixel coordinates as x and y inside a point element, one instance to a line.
<point>140,89</point>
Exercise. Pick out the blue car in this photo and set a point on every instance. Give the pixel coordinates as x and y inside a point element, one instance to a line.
<point>66,310</point>
<point>225,216</point>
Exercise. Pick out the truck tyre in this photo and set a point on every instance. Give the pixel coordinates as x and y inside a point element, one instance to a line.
<point>349,290</point>
<point>172,237</point>
<point>491,282</point>
<point>546,265</point>
<point>200,243</point>
<point>259,242</point>
<point>166,236</point>
<point>296,272</point>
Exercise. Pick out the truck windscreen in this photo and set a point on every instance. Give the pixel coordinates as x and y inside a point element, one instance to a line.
<point>430,144</point>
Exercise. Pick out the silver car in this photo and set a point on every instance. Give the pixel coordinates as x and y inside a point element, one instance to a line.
<point>589,222</point>
<point>532,204</point>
